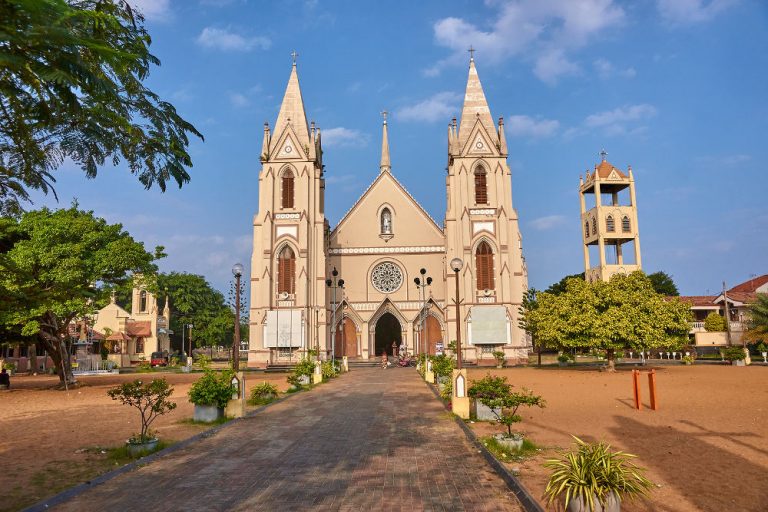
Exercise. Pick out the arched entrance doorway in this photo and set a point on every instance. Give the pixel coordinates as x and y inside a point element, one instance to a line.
<point>346,339</point>
<point>432,335</point>
<point>388,329</point>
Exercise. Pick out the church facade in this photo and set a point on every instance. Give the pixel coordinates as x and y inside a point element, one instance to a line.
<point>350,290</point>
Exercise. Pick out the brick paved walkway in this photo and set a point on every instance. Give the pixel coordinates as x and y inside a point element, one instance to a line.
<point>371,440</point>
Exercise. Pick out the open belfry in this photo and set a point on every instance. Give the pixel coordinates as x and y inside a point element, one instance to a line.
<point>610,223</point>
<point>351,290</point>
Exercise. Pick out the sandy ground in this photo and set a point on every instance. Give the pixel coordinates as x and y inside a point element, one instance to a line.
<point>706,447</point>
<point>52,439</point>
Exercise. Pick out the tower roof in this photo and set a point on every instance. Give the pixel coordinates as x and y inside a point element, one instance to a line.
<point>292,111</point>
<point>385,163</point>
<point>605,168</point>
<point>475,106</point>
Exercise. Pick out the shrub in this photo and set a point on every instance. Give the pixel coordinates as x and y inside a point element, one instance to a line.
<point>11,367</point>
<point>150,399</point>
<point>592,472</point>
<point>329,369</point>
<point>203,361</point>
<point>263,394</point>
<point>304,367</point>
<point>714,323</point>
<point>688,359</point>
<point>734,354</point>
<point>565,357</point>
<point>212,389</point>
<point>496,393</point>
<point>446,390</point>
<point>498,355</point>
<point>442,365</point>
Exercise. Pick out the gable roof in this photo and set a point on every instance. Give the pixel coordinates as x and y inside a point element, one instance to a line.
<point>604,169</point>
<point>380,177</point>
<point>750,286</point>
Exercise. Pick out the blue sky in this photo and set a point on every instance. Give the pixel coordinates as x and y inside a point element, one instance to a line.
<point>678,89</point>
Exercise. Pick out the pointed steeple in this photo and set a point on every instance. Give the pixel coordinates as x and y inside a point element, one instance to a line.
<point>475,106</point>
<point>385,165</point>
<point>292,111</point>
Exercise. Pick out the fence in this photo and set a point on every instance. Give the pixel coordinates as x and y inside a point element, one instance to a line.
<point>91,366</point>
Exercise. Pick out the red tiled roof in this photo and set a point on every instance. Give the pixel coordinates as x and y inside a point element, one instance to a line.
<point>745,297</point>
<point>143,328</point>
<point>750,286</point>
<point>604,170</point>
<point>118,336</point>
<point>699,300</point>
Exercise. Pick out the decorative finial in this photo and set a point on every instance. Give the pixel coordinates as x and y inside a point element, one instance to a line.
<point>293,56</point>
<point>384,115</point>
<point>471,54</point>
<point>603,154</point>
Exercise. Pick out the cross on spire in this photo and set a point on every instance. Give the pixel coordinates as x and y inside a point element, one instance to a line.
<point>471,53</point>
<point>384,115</point>
<point>603,154</point>
<point>293,56</point>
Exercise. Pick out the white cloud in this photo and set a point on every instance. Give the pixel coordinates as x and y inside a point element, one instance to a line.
<point>543,32</point>
<point>239,100</point>
<point>154,10</point>
<point>341,137</point>
<point>221,39</point>
<point>605,70</point>
<point>441,106</point>
<point>526,126</point>
<point>684,12</point>
<point>548,222</point>
<point>615,122</point>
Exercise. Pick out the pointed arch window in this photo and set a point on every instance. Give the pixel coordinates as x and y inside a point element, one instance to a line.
<point>143,301</point>
<point>484,266</point>
<point>594,225</point>
<point>286,271</point>
<point>481,186</point>
<point>287,188</point>
<point>626,227</point>
<point>386,222</point>
<point>610,225</point>
<point>586,229</point>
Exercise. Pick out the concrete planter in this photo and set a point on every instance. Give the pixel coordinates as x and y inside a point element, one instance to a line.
<point>482,412</point>
<point>207,413</point>
<point>612,504</point>
<point>739,362</point>
<point>510,443</point>
<point>136,449</point>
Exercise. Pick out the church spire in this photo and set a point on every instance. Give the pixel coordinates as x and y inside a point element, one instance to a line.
<point>385,165</point>
<point>292,111</point>
<point>475,105</point>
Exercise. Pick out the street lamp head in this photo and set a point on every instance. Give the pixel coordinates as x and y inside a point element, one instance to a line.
<point>334,272</point>
<point>456,264</point>
<point>341,283</point>
<point>328,282</point>
<point>417,281</point>
<point>423,271</point>
<point>237,269</point>
<point>429,281</point>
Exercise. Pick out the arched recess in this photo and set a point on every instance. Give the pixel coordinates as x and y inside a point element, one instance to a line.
<point>285,279</point>
<point>484,253</point>
<point>345,342</point>
<point>480,174</point>
<point>287,177</point>
<point>434,333</point>
<point>386,210</point>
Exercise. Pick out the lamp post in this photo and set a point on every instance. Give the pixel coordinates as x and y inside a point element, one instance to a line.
<point>421,284</point>
<point>456,265</point>
<point>183,330</point>
<point>333,283</point>
<point>237,271</point>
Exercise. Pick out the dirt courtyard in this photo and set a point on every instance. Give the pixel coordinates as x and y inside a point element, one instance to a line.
<point>706,447</point>
<point>52,440</point>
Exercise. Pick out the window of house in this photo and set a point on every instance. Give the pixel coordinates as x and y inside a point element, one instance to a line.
<point>386,222</point>
<point>625,225</point>
<point>481,187</point>
<point>287,185</point>
<point>610,225</point>
<point>286,271</point>
<point>139,345</point>
<point>484,266</point>
<point>143,301</point>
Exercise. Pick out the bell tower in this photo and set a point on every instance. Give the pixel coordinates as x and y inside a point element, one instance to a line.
<point>609,226</point>
<point>288,262</point>
<point>481,228</point>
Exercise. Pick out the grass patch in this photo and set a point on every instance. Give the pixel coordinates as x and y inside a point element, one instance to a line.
<point>261,401</point>
<point>120,457</point>
<point>219,421</point>
<point>504,454</point>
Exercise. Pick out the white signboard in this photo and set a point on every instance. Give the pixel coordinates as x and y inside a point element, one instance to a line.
<point>285,328</point>
<point>489,325</point>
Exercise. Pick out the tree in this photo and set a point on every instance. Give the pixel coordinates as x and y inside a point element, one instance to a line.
<point>151,400</point>
<point>71,87</point>
<point>663,284</point>
<point>758,319</point>
<point>624,313</point>
<point>61,269</point>
<point>559,287</point>
<point>714,323</point>
<point>529,304</point>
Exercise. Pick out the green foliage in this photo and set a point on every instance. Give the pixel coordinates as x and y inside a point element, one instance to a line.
<point>442,365</point>
<point>498,355</point>
<point>622,314</point>
<point>212,389</point>
<point>714,323</point>
<point>734,354</point>
<point>496,393</point>
<point>592,472</point>
<point>10,366</point>
<point>505,454</point>
<point>72,88</point>
<point>565,357</point>
<point>202,361</point>
<point>329,369</point>
<point>688,359</point>
<point>62,266</point>
<point>561,286</point>
<point>663,284</point>
<point>758,317</point>
<point>446,390</point>
<point>263,394</point>
<point>150,399</point>
<point>304,367</point>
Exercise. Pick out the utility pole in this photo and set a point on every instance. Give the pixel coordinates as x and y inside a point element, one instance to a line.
<point>727,316</point>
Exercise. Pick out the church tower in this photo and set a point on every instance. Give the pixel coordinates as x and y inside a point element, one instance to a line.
<point>288,263</point>
<point>610,224</point>
<point>481,228</point>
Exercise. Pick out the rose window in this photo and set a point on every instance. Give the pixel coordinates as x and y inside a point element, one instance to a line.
<point>386,277</point>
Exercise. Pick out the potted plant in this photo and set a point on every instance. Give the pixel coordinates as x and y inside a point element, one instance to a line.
<point>210,394</point>
<point>499,356</point>
<point>442,367</point>
<point>263,394</point>
<point>152,401</point>
<point>11,367</point>
<point>736,355</point>
<point>302,374</point>
<point>497,394</point>
<point>687,359</point>
<point>564,358</point>
<point>594,478</point>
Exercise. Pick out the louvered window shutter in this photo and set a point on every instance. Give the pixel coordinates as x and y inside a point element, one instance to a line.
<point>481,188</point>
<point>286,271</point>
<point>484,266</point>
<point>288,190</point>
